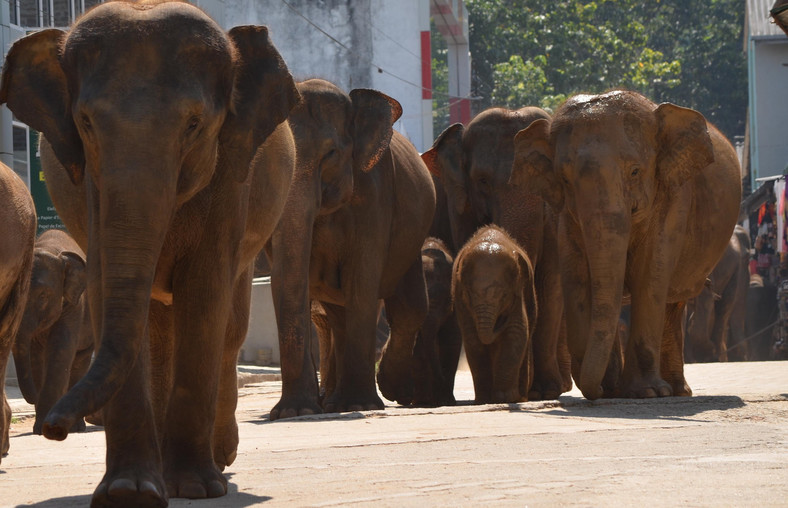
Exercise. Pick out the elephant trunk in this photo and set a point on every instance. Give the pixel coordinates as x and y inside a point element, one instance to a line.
<point>23,360</point>
<point>125,246</point>
<point>486,317</point>
<point>605,235</point>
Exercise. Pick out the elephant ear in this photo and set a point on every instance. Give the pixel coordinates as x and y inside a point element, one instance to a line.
<point>74,278</point>
<point>35,88</point>
<point>684,144</point>
<point>444,160</point>
<point>374,114</point>
<point>533,164</point>
<point>264,92</point>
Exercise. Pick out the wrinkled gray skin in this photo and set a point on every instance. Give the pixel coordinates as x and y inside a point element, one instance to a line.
<point>355,219</point>
<point>474,165</point>
<point>153,116</point>
<point>715,318</point>
<point>18,233</point>
<point>648,196</point>
<point>55,341</point>
<point>495,301</point>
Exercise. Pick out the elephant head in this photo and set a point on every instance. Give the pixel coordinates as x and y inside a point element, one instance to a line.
<point>144,104</point>
<point>474,164</point>
<point>607,163</point>
<point>338,134</point>
<point>57,283</point>
<point>492,277</point>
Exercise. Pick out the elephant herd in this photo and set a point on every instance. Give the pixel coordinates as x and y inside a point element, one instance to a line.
<point>174,152</point>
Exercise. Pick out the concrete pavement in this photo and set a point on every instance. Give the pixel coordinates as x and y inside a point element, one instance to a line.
<point>726,446</point>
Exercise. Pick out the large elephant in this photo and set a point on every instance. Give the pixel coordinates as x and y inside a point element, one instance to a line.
<point>351,233</point>
<point>496,304</point>
<point>53,347</point>
<point>648,197</point>
<point>474,164</point>
<point>716,317</point>
<point>154,117</point>
<point>18,232</point>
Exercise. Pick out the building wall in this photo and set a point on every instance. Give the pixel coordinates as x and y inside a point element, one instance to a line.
<point>370,36</point>
<point>769,136</point>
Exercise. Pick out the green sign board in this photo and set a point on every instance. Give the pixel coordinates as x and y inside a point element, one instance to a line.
<point>47,216</point>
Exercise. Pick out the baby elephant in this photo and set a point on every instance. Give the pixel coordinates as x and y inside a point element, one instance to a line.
<point>495,303</point>
<point>54,344</point>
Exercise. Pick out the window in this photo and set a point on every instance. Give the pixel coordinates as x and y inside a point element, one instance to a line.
<point>46,13</point>
<point>21,137</point>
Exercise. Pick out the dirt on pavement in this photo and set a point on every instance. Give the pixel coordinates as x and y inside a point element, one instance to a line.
<point>726,446</point>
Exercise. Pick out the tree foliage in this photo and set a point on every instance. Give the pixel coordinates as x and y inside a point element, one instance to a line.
<point>539,52</point>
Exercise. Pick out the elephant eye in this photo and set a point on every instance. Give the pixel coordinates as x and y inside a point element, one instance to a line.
<point>635,170</point>
<point>86,124</point>
<point>193,124</point>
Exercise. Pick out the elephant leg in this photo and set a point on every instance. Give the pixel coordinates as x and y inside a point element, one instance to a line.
<point>672,360</point>
<point>225,433</point>
<point>134,467</point>
<point>353,333</point>
<point>450,349</point>
<point>510,366</point>
<point>291,248</point>
<point>478,356</point>
<point>406,312</point>
<point>328,378</point>
<point>641,376</point>
<point>564,358</point>
<point>547,384</point>
<point>5,408</point>
<point>426,368</point>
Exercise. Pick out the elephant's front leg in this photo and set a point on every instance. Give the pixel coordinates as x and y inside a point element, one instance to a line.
<point>510,363</point>
<point>547,384</point>
<point>406,311</point>
<point>291,251</point>
<point>353,332</point>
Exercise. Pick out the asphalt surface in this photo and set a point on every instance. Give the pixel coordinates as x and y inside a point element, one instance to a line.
<point>726,446</point>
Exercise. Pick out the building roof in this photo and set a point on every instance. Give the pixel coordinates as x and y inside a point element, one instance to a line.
<point>759,24</point>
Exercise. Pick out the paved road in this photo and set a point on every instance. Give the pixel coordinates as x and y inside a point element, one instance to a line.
<point>727,446</point>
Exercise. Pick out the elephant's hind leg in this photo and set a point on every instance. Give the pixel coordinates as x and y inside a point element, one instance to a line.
<point>406,311</point>
<point>672,358</point>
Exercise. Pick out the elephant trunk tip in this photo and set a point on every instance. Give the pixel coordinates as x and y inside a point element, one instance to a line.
<point>592,392</point>
<point>56,426</point>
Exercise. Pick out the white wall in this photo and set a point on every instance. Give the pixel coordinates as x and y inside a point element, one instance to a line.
<point>770,137</point>
<point>376,34</point>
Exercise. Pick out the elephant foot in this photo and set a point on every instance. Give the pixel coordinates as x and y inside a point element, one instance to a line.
<point>508,396</point>
<point>647,387</point>
<point>78,426</point>
<point>341,401</point>
<point>225,446</point>
<point>128,489</point>
<point>545,390</point>
<point>289,407</point>
<point>680,387</point>
<point>195,482</point>
<point>395,381</point>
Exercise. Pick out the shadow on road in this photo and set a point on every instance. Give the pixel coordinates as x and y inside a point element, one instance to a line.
<point>674,408</point>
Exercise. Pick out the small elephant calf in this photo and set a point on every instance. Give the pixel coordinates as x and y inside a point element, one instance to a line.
<point>54,344</point>
<point>495,303</point>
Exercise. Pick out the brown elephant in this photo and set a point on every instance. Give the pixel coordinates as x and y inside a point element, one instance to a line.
<point>496,303</point>
<point>155,116</point>
<point>648,196</point>
<point>54,344</point>
<point>474,164</point>
<point>439,343</point>
<point>18,231</point>
<point>762,319</point>
<point>716,317</point>
<point>358,211</point>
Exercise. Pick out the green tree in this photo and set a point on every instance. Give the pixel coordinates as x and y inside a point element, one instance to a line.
<point>538,52</point>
